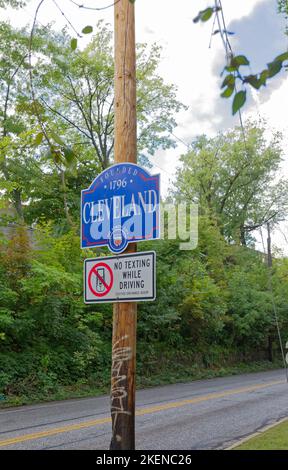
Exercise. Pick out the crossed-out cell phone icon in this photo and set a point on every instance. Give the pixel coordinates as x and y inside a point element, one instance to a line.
<point>99,284</point>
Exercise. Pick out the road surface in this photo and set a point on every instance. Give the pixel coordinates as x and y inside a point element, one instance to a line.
<point>206,414</point>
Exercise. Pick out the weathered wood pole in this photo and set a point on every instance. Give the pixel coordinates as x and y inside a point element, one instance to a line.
<point>125,150</point>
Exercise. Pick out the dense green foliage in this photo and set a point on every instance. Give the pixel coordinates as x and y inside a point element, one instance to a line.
<point>213,307</point>
<point>235,180</point>
<point>53,139</point>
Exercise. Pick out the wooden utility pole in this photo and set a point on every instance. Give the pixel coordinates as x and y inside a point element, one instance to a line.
<point>125,150</point>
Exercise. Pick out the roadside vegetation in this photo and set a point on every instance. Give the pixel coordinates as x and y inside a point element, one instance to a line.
<point>214,312</point>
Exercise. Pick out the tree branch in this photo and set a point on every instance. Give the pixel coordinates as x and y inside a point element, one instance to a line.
<point>65,119</point>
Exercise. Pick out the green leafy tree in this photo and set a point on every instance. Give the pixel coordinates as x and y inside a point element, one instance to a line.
<point>20,163</point>
<point>76,90</point>
<point>14,61</point>
<point>66,133</point>
<point>234,180</point>
<point>43,320</point>
<point>250,302</point>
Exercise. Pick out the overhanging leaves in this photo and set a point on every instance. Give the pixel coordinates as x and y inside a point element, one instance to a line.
<point>227,93</point>
<point>205,15</point>
<point>56,138</point>
<point>73,44</point>
<point>38,139</point>
<point>87,30</point>
<point>238,101</point>
<point>274,68</point>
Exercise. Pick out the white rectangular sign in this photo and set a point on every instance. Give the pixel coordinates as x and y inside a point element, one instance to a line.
<point>121,278</point>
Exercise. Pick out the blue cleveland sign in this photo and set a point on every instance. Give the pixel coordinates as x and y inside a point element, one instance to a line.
<point>122,205</point>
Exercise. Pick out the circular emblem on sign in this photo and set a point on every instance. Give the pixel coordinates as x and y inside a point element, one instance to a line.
<point>100,279</point>
<point>117,241</point>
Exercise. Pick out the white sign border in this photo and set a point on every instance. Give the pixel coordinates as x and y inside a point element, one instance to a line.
<point>111,301</point>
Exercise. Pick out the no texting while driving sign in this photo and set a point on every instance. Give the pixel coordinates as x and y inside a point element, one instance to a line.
<point>126,278</point>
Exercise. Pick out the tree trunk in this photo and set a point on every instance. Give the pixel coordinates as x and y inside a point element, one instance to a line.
<point>66,208</point>
<point>270,348</point>
<point>242,236</point>
<point>17,200</point>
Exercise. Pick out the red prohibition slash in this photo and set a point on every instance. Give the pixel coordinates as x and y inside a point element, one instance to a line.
<point>107,286</point>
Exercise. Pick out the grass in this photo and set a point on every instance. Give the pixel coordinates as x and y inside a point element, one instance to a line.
<point>167,373</point>
<point>275,438</point>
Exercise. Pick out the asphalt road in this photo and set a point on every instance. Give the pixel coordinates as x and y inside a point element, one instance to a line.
<point>207,414</point>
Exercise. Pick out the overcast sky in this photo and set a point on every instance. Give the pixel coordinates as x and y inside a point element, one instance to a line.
<point>189,63</point>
